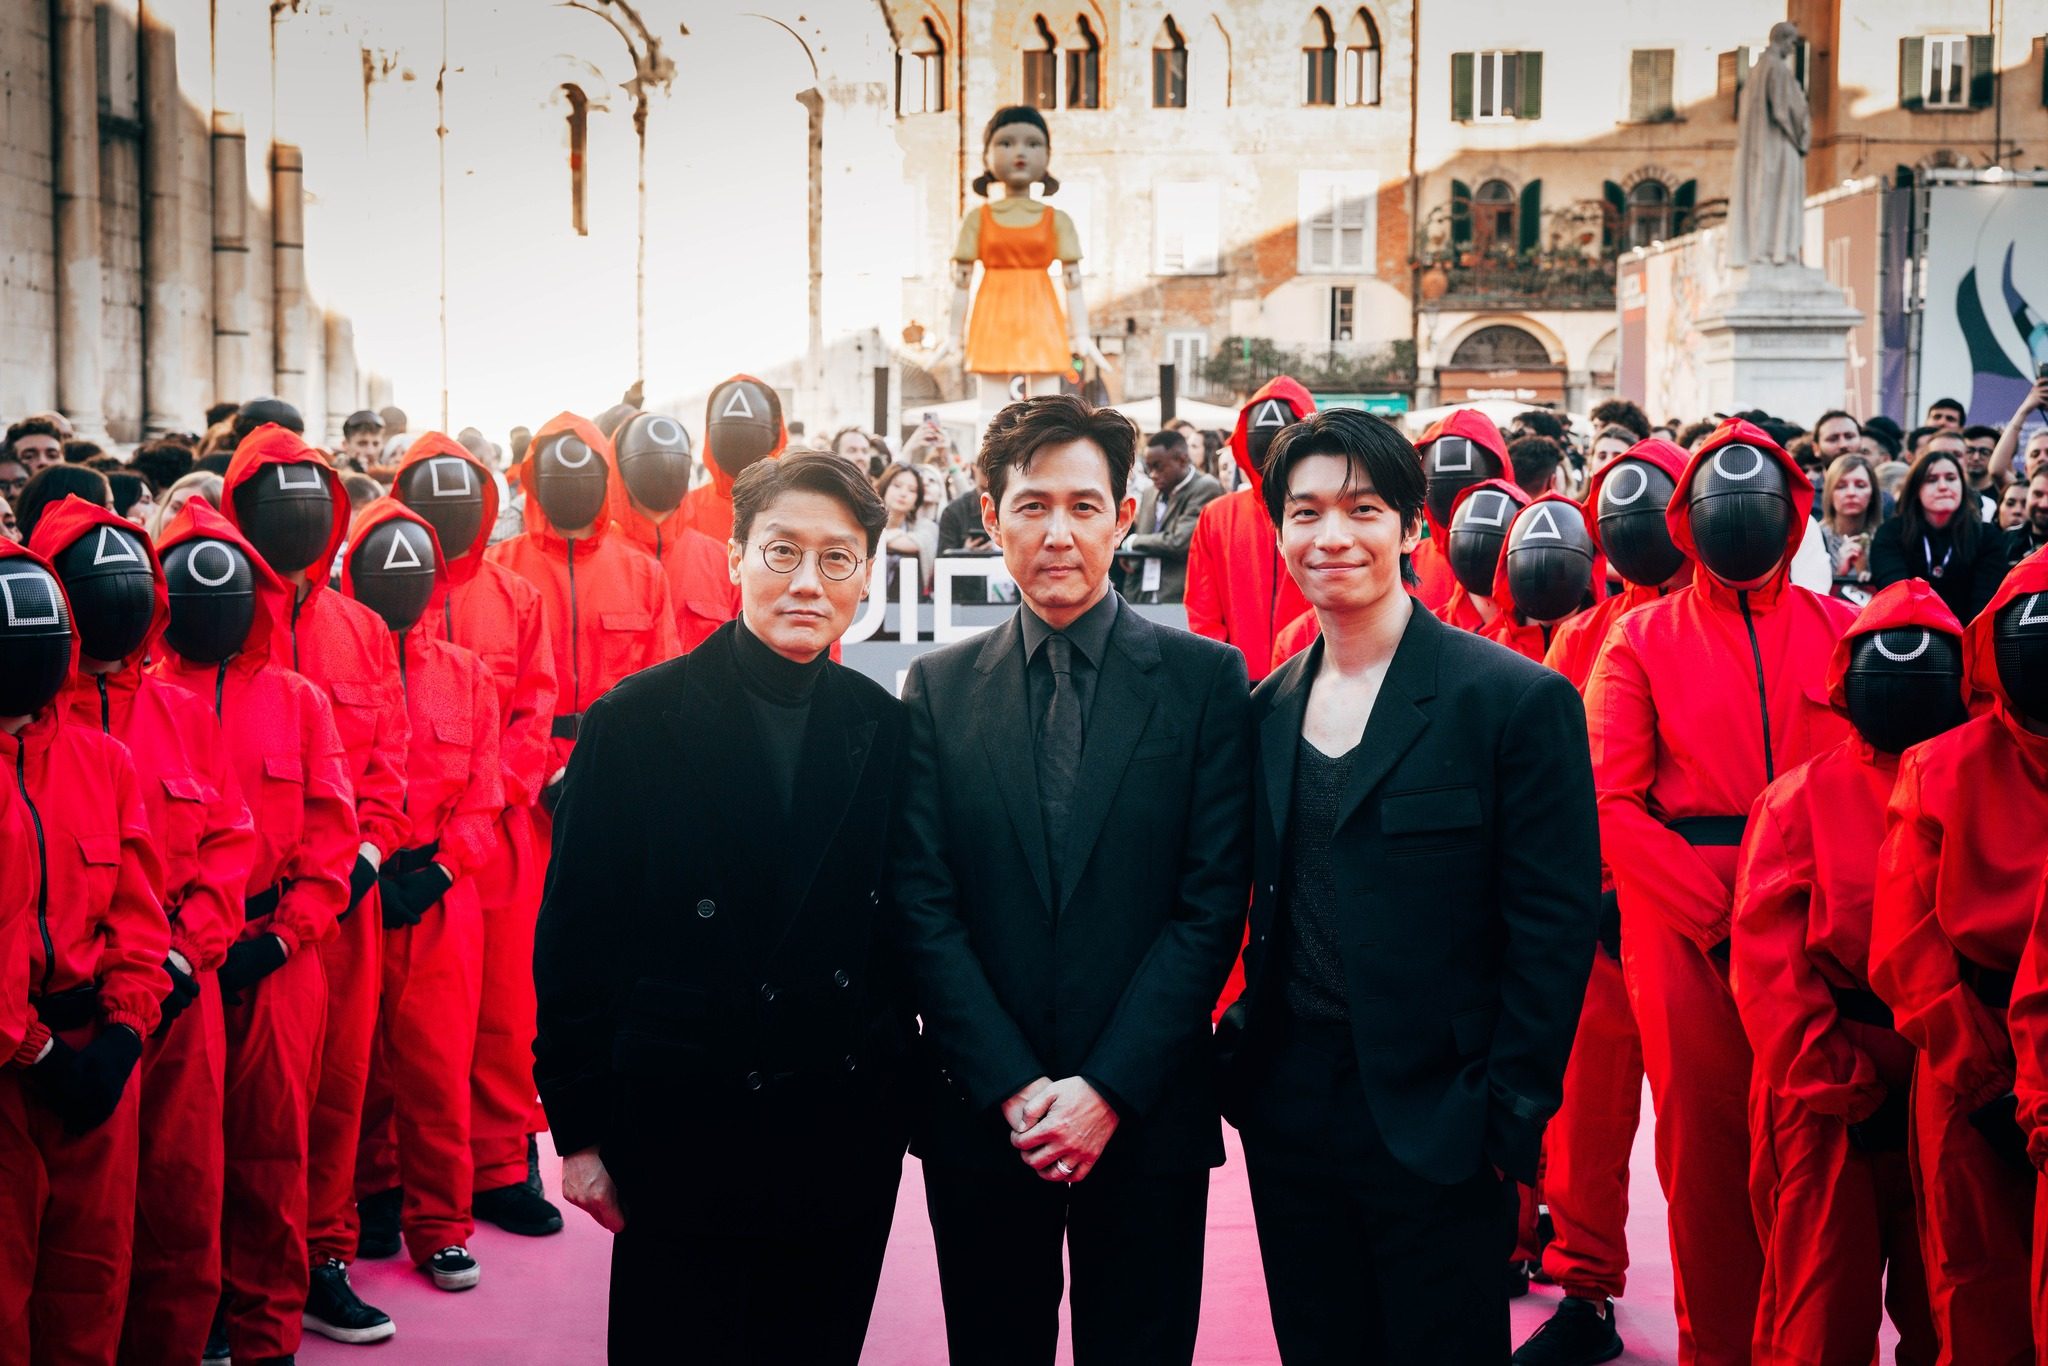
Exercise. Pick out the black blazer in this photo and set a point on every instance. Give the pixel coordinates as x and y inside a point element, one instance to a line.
<point>1116,985</point>
<point>1468,853</point>
<point>708,969</point>
<point>1967,585</point>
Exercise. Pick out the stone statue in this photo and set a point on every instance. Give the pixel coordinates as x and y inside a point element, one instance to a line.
<point>1766,207</point>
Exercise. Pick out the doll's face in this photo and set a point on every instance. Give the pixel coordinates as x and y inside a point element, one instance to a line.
<point>1017,156</point>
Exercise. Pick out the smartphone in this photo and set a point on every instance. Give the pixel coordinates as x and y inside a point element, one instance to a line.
<point>2041,369</point>
<point>931,419</point>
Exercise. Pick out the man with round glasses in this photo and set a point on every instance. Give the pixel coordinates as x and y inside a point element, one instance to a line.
<point>721,1038</point>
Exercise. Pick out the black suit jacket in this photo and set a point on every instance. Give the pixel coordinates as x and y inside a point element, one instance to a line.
<point>711,974</point>
<point>1117,983</point>
<point>1467,856</point>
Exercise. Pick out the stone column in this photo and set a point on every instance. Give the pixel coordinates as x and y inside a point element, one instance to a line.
<point>233,372</point>
<point>80,289</point>
<point>289,323</point>
<point>163,354</point>
<point>341,374</point>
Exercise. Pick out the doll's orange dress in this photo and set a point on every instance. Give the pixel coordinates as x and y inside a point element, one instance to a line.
<point>1016,325</point>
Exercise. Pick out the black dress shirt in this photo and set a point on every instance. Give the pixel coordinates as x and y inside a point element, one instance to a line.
<point>1090,637</point>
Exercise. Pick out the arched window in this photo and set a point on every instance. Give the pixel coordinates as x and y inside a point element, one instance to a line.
<point>1041,67</point>
<point>1501,348</point>
<point>1169,67</point>
<point>1649,212</point>
<point>1318,59</point>
<point>1084,66</point>
<point>579,154</point>
<point>1361,61</point>
<point>1493,215</point>
<point>921,72</point>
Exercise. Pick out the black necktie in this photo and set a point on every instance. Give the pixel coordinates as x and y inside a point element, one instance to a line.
<point>1059,754</point>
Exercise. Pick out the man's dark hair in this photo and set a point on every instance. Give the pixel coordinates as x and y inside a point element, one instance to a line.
<point>1621,412</point>
<point>361,420</point>
<point>1371,445</point>
<point>1535,460</point>
<point>222,411</point>
<point>1169,440</point>
<point>1916,436</point>
<point>1543,422</point>
<point>1935,434</point>
<point>51,485</point>
<point>820,472</point>
<point>104,463</point>
<point>1980,432</point>
<point>217,463</point>
<point>29,426</point>
<point>1695,431</point>
<point>78,450</point>
<point>1885,434</point>
<point>1017,433</point>
<point>1829,416</point>
<point>162,462</point>
<point>1781,431</point>
<point>1953,405</point>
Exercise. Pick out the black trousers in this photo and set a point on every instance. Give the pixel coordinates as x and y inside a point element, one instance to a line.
<point>1135,1242</point>
<point>714,1285</point>
<point>1365,1261</point>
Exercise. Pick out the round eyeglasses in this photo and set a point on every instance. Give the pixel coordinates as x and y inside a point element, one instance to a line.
<point>836,564</point>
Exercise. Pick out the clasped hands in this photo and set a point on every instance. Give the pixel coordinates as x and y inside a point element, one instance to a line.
<point>1060,1128</point>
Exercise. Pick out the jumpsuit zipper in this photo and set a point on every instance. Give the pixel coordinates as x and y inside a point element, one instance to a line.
<point>106,712</point>
<point>575,639</point>
<point>298,603</point>
<point>220,683</point>
<point>42,862</point>
<point>1763,704</point>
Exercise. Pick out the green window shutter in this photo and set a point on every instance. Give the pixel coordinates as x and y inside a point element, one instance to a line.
<point>1461,87</point>
<point>1530,101</point>
<point>1912,68</point>
<point>1682,201</point>
<point>1530,218</point>
<point>1983,72</point>
<point>1641,73</point>
<point>1616,215</point>
<point>1461,213</point>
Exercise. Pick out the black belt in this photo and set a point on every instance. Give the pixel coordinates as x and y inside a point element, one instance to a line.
<point>265,901</point>
<point>565,727</point>
<point>413,859</point>
<point>1864,1007</point>
<point>1993,988</point>
<point>1719,832</point>
<point>73,1009</point>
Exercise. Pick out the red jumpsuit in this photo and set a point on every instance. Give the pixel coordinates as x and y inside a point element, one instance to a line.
<point>342,647</point>
<point>1679,756</point>
<point>708,507</point>
<point>1238,591</point>
<point>608,609</point>
<point>20,876</point>
<point>2030,1049</point>
<point>278,732</point>
<point>1461,608</point>
<point>1836,1222</point>
<point>1957,886</point>
<point>499,616</point>
<point>416,1116</point>
<point>205,840</point>
<point>1432,566</point>
<point>699,584</point>
<point>95,957</point>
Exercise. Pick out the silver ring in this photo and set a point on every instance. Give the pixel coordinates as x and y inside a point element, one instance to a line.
<point>1061,1163</point>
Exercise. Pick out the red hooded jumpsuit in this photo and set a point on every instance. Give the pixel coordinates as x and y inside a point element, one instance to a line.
<point>1676,708</point>
<point>1238,591</point>
<point>1587,1146</point>
<point>2030,1050</point>
<point>1429,561</point>
<point>95,960</point>
<point>205,840</point>
<point>707,509</point>
<point>416,1116</point>
<point>20,876</point>
<point>1461,609</point>
<point>278,732</point>
<point>699,585</point>
<point>608,610</point>
<point>343,647</point>
<point>1957,887</point>
<point>1836,1223</point>
<point>499,616</point>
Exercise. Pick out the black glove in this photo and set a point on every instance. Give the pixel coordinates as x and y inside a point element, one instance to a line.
<point>184,991</point>
<point>1609,933</point>
<point>409,896</point>
<point>1885,1130</point>
<point>84,1085</point>
<point>1999,1122</point>
<point>1719,953</point>
<point>361,879</point>
<point>550,795</point>
<point>249,962</point>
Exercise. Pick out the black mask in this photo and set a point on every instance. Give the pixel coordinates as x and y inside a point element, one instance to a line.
<point>1741,515</point>
<point>570,481</point>
<point>257,411</point>
<point>288,514</point>
<point>1450,466</point>
<point>1479,529</point>
<point>112,587</point>
<point>1269,417</point>
<point>2019,642</point>
<point>1904,685</point>
<point>654,461</point>
<point>743,424</point>
<point>1633,532</point>
<point>1550,560</point>
<point>449,492</point>
<point>35,638</point>
<point>391,571</point>
<point>213,599</point>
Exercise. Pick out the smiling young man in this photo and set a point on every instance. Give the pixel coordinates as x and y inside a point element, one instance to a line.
<point>1064,967</point>
<point>1426,885</point>
<point>719,1035</point>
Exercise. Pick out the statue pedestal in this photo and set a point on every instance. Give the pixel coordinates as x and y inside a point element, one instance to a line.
<point>1776,338</point>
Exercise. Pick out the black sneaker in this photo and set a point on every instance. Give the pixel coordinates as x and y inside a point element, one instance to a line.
<point>1580,1333</point>
<point>334,1311</point>
<point>533,1164</point>
<point>1518,1280</point>
<point>518,1210</point>
<point>217,1352</point>
<point>377,1216</point>
<point>454,1269</point>
<point>277,1361</point>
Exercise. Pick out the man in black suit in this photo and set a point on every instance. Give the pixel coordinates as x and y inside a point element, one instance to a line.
<point>1070,874</point>
<point>721,1030</point>
<point>1426,886</point>
<point>1167,513</point>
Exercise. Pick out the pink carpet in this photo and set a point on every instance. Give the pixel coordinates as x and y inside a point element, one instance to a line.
<point>543,1300</point>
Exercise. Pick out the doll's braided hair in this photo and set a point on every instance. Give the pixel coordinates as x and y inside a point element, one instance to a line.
<point>1014,113</point>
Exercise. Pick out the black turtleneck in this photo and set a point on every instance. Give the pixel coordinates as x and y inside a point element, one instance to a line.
<point>779,694</point>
